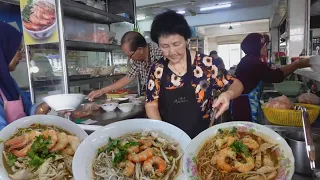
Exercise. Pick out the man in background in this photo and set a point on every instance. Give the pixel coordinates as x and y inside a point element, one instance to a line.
<point>143,54</point>
<point>216,58</point>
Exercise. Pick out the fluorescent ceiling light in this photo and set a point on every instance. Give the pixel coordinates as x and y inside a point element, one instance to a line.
<point>230,24</point>
<point>140,18</point>
<point>181,12</point>
<point>218,6</point>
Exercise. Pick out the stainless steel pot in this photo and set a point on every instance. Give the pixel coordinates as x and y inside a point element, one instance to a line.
<point>296,141</point>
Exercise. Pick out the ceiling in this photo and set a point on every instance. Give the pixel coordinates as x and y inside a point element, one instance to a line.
<point>192,7</point>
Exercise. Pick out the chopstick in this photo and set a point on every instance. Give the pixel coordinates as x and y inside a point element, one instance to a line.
<point>212,117</point>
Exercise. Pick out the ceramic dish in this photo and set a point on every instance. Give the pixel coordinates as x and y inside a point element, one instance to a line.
<point>126,107</point>
<point>283,151</point>
<point>109,107</point>
<point>62,102</point>
<point>25,122</point>
<point>82,167</point>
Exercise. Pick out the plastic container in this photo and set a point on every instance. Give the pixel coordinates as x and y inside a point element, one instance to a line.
<point>288,88</point>
<point>106,70</point>
<point>101,34</point>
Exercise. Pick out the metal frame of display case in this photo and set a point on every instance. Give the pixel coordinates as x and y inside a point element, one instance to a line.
<point>69,8</point>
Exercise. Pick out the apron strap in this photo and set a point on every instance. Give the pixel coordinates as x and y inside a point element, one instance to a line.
<point>3,96</point>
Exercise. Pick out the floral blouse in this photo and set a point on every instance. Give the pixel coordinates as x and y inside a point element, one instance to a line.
<point>208,81</point>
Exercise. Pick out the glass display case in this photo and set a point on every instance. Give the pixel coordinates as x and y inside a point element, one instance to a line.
<point>87,56</point>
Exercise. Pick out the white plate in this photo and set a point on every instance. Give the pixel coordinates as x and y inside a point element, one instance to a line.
<point>82,167</point>
<point>60,122</point>
<point>285,171</point>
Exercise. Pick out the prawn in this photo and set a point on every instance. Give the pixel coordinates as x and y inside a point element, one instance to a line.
<point>41,13</point>
<point>34,19</point>
<point>62,142</point>
<point>128,168</point>
<point>133,149</point>
<point>32,26</point>
<point>144,155</point>
<point>161,164</point>
<point>145,143</point>
<point>244,167</point>
<point>23,140</point>
<point>53,137</point>
<point>221,159</point>
<point>225,142</point>
<point>251,143</point>
<point>23,151</point>
<point>74,143</point>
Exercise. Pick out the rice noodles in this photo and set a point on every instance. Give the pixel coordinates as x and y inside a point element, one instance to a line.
<point>234,155</point>
<point>139,156</point>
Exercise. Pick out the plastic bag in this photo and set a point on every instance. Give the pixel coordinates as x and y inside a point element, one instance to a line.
<point>282,102</point>
<point>309,98</point>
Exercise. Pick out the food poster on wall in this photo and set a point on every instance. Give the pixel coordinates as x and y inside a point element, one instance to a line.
<point>39,21</point>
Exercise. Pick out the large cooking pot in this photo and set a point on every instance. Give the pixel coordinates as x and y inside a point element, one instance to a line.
<point>297,143</point>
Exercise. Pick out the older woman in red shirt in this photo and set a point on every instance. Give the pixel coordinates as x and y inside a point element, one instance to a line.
<point>251,71</point>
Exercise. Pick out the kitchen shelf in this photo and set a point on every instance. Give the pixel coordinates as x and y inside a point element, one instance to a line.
<point>71,8</point>
<point>87,46</point>
<point>309,73</point>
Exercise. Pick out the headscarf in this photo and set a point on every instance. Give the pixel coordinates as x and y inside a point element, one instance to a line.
<point>10,40</point>
<point>252,44</point>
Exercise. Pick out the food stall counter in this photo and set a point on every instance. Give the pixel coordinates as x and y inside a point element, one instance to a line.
<point>104,118</point>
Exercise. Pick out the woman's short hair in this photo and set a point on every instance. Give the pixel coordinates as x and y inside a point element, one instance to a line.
<point>169,23</point>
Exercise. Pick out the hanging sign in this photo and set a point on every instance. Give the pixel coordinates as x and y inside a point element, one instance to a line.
<point>39,21</point>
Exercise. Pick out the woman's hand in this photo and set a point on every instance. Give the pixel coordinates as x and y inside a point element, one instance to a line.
<point>43,108</point>
<point>95,94</point>
<point>222,103</point>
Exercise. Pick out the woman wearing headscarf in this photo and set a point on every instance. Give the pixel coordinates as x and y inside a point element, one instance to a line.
<point>251,71</point>
<point>182,85</point>
<point>13,104</point>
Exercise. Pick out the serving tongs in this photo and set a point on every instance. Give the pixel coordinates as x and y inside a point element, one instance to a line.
<point>308,137</point>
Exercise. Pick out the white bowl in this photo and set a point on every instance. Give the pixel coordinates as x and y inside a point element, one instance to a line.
<point>63,102</point>
<point>126,107</point>
<point>82,167</point>
<point>109,107</point>
<point>60,122</point>
<point>285,171</point>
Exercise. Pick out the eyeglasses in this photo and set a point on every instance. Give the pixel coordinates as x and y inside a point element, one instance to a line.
<point>130,57</point>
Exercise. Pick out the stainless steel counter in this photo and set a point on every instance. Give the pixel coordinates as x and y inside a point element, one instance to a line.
<point>105,118</point>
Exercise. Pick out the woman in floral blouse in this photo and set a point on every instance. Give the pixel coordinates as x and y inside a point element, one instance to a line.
<point>181,89</point>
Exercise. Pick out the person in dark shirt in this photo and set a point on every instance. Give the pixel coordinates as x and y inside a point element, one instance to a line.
<point>251,71</point>
<point>216,58</point>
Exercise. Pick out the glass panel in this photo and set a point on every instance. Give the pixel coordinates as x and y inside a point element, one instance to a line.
<point>46,70</point>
